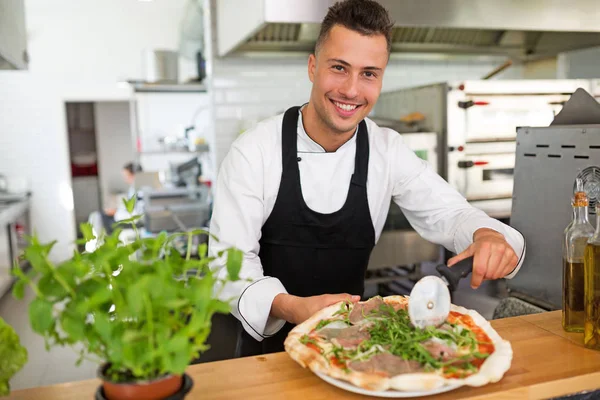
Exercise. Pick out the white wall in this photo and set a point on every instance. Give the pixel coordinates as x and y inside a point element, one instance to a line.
<point>89,45</point>
<point>33,144</point>
<point>79,50</point>
<point>579,64</point>
<point>114,147</point>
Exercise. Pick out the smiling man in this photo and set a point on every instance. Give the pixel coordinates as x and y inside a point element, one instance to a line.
<point>306,194</point>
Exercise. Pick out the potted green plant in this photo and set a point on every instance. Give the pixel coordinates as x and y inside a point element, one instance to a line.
<point>12,356</point>
<point>140,309</point>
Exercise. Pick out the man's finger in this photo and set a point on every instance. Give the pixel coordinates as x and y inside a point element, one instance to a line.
<point>480,262</point>
<point>495,263</point>
<point>468,252</point>
<point>509,262</point>
<point>344,297</point>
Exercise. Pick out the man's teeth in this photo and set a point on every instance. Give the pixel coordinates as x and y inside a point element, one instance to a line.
<point>345,107</point>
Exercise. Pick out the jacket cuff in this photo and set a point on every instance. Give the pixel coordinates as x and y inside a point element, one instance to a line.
<point>254,306</point>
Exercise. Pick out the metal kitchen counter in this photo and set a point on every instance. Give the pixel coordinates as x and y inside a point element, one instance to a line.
<point>10,213</point>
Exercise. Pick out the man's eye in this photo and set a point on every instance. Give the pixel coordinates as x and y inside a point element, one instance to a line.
<point>338,67</point>
<point>369,74</point>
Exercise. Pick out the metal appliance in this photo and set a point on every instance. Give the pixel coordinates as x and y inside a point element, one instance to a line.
<point>548,160</point>
<point>539,29</point>
<point>188,173</point>
<point>160,66</point>
<point>476,123</point>
<point>176,210</point>
<point>184,205</point>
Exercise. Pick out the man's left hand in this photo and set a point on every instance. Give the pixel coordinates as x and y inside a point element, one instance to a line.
<point>493,257</point>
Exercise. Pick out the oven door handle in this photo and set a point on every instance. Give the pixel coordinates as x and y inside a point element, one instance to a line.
<point>470,103</point>
<point>470,164</point>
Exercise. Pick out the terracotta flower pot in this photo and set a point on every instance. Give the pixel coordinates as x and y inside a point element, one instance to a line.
<point>156,389</point>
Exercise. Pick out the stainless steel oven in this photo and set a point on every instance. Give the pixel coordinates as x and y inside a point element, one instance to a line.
<point>476,122</point>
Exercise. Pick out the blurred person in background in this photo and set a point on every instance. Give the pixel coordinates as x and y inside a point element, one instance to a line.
<point>105,219</point>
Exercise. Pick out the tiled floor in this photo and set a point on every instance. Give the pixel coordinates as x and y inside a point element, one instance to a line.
<point>58,365</point>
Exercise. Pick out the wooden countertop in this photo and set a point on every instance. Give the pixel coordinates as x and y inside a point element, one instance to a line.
<point>547,362</point>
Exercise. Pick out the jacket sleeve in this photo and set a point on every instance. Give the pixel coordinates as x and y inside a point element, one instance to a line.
<point>237,219</point>
<point>437,211</point>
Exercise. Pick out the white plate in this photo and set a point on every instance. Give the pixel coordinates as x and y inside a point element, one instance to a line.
<point>387,393</point>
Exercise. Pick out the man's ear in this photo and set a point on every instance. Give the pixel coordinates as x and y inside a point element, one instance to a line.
<point>312,66</point>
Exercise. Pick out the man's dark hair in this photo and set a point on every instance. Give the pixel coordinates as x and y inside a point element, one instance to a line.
<point>132,168</point>
<point>366,17</point>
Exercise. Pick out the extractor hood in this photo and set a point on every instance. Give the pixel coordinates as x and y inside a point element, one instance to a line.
<point>520,29</point>
<point>13,37</point>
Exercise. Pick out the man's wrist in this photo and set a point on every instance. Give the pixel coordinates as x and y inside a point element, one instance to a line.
<point>282,306</point>
<point>483,232</point>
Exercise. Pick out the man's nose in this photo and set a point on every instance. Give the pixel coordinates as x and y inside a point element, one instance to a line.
<point>350,87</point>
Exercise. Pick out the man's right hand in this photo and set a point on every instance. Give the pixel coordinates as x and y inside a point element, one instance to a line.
<point>296,309</point>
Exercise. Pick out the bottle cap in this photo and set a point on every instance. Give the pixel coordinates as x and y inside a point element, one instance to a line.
<point>580,199</point>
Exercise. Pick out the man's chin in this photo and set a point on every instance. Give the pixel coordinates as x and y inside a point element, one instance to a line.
<point>347,126</point>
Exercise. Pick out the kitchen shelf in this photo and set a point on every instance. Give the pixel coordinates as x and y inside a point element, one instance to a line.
<point>154,152</point>
<point>146,87</point>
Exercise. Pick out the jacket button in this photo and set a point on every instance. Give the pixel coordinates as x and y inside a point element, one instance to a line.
<point>299,159</point>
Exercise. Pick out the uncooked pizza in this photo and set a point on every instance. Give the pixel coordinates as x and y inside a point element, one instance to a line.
<point>373,345</point>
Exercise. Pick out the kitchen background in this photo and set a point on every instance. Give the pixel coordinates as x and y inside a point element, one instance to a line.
<point>74,101</point>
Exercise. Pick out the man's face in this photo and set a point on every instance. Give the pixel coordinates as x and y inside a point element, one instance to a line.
<point>347,75</point>
<point>128,177</point>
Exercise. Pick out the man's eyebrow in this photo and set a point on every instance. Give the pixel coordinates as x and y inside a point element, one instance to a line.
<point>337,60</point>
<point>347,64</point>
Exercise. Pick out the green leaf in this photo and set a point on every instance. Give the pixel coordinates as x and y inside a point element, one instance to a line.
<point>135,299</point>
<point>203,290</point>
<point>73,326</point>
<point>178,348</point>
<point>130,204</point>
<point>128,221</point>
<point>101,296</point>
<point>73,269</point>
<point>87,231</point>
<point>50,287</point>
<point>88,287</point>
<point>204,232</point>
<point>234,263</point>
<point>19,289</point>
<point>36,255</point>
<point>103,326</point>
<point>220,306</point>
<point>202,250</point>
<point>176,304</point>
<point>13,356</point>
<point>131,336</point>
<point>40,315</point>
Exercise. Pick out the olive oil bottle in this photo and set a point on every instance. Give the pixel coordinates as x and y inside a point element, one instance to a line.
<point>576,237</point>
<point>591,334</point>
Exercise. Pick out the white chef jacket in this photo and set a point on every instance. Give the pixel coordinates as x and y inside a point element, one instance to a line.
<point>248,183</point>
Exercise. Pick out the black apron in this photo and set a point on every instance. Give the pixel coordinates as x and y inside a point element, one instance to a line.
<point>309,252</point>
